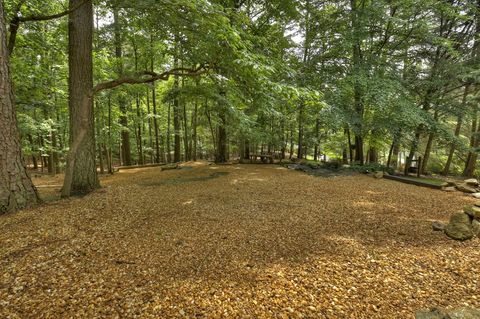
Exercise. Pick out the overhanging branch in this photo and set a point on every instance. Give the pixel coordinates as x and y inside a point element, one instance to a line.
<point>17,20</point>
<point>150,77</point>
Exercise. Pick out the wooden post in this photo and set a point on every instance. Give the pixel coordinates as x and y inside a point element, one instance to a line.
<point>419,166</point>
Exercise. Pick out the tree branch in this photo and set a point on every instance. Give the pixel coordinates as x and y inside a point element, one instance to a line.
<point>150,77</point>
<point>17,20</point>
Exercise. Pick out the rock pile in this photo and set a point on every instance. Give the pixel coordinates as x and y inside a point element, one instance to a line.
<point>469,186</point>
<point>462,226</point>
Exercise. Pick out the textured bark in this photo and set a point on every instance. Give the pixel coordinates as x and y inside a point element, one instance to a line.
<point>81,172</point>
<point>16,188</point>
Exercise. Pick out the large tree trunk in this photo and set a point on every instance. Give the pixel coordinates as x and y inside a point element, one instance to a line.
<point>16,188</point>
<point>81,173</point>
<point>358,92</point>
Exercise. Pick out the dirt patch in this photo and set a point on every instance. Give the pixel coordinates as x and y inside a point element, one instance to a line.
<point>260,242</point>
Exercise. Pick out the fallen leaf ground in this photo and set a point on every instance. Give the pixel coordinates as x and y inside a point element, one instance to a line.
<point>240,241</point>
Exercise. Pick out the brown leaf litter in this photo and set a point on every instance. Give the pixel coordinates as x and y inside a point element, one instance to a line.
<point>238,241</point>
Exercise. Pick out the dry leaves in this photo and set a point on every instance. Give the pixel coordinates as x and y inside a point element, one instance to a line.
<point>248,241</point>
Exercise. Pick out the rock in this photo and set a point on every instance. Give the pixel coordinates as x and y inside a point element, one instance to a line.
<point>466,189</point>
<point>451,182</point>
<point>378,175</point>
<point>169,167</point>
<point>464,313</point>
<point>471,182</point>
<point>438,226</point>
<point>476,195</point>
<point>449,189</point>
<point>460,227</point>
<point>461,313</point>
<point>433,313</point>
<point>476,228</point>
<point>472,211</point>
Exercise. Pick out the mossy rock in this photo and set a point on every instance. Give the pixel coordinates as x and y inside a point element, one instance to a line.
<point>472,211</point>
<point>460,227</point>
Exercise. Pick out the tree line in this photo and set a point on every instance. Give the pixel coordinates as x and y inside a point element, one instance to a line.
<point>90,85</point>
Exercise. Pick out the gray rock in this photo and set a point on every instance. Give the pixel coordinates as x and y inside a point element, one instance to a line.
<point>464,313</point>
<point>449,189</point>
<point>433,313</point>
<point>438,226</point>
<point>451,182</point>
<point>471,182</point>
<point>459,227</point>
<point>476,195</point>
<point>378,175</point>
<point>466,189</point>
<point>476,228</point>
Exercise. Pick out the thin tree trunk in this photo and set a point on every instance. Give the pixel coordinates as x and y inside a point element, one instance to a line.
<point>109,151</point>
<point>317,140</point>
<point>125,133</point>
<point>458,129</point>
<point>169,144</point>
<point>150,132</point>
<point>300,131</point>
<point>155,124</point>
<point>194,134</point>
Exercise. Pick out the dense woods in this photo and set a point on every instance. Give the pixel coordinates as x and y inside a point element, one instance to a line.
<point>102,84</point>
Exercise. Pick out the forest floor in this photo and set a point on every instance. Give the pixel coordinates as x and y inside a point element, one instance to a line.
<point>238,241</point>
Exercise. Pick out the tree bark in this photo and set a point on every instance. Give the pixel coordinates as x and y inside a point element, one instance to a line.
<point>16,187</point>
<point>317,140</point>
<point>125,133</point>
<point>81,173</point>
<point>458,129</point>
<point>300,131</point>
<point>176,124</point>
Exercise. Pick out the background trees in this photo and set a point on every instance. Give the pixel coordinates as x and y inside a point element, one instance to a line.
<point>355,80</point>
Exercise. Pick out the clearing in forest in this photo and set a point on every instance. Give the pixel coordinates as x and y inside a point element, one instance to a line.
<point>248,241</point>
